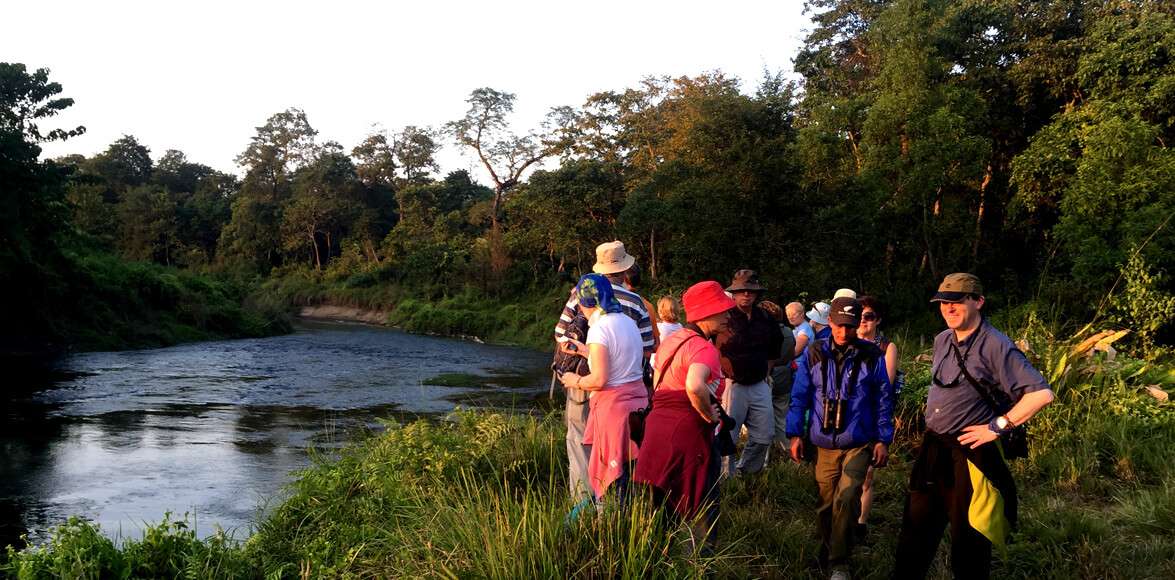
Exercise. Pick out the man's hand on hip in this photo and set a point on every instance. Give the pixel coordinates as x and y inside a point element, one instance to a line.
<point>977,435</point>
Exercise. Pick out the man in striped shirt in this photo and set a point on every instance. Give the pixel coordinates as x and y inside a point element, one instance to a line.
<point>613,262</point>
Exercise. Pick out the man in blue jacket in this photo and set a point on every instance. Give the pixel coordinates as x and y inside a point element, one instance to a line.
<point>845,393</point>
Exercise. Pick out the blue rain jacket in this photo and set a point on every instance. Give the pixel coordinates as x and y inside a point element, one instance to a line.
<point>863,381</point>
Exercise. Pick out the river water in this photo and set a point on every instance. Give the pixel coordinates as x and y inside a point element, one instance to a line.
<point>216,429</point>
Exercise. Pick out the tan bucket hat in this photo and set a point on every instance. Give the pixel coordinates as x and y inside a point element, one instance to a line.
<point>611,258</point>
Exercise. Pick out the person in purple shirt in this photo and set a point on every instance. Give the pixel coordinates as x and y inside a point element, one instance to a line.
<point>982,387</point>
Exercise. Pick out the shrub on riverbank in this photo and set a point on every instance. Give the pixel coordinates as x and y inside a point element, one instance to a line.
<point>169,549</point>
<point>484,494</point>
<point>523,320</point>
<point>116,304</point>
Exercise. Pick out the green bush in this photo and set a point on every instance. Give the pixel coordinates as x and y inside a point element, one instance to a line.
<point>169,549</point>
<point>115,304</point>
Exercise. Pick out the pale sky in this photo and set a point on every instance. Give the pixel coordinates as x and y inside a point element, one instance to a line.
<point>201,76</point>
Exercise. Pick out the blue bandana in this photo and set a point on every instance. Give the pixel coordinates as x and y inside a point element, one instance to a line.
<point>595,290</point>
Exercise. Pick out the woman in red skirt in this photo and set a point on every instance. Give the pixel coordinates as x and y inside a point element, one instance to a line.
<point>678,461</point>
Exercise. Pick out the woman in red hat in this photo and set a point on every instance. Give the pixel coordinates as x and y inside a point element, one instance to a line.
<point>678,461</point>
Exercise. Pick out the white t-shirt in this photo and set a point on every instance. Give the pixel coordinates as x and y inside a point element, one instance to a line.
<point>619,334</point>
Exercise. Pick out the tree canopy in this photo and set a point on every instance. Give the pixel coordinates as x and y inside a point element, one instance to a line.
<point>1028,142</point>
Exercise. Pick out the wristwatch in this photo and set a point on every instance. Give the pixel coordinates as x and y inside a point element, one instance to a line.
<point>1001,425</point>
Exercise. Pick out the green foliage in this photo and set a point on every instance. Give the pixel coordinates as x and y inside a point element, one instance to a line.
<point>561,215</point>
<point>77,549</point>
<point>126,163</point>
<point>1143,306</point>
<point>479,494</point>
<point>32,208</point>
<point>1104,164</point>
<point>415,151</point>
<point>468,314</point>
<point>168,549</point>
<point>28,98</point>
<point>147,220</point>
<point>115,304</point>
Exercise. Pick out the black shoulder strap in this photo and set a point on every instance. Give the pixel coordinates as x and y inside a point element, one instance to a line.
<point>659,372</point>
<point>815,354</point>
<point>984,389</point>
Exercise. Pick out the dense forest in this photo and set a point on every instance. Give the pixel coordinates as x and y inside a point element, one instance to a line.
<point>1025,141</point>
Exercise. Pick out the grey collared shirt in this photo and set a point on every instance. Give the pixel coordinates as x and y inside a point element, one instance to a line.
<point>990,356</point>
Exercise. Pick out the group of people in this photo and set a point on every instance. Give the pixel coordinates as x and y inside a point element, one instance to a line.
<point>660,404</point>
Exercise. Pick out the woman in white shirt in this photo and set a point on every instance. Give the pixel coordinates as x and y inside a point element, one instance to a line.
<point>615,355</point>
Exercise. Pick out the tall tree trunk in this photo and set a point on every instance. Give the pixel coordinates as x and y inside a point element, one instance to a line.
<point>314,242</point>
<point>653,254</point>
<point>889,256</point>
<point>498,193</point>
<point>927,239</point>
<point>979,218</point>
<point>857,152</point>
<point>499,261</point>
<point>369,248</point>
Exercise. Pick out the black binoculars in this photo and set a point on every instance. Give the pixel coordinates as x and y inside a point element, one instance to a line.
<point>836,416</point>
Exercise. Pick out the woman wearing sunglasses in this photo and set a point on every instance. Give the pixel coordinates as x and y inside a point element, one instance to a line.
<point>870,330</point>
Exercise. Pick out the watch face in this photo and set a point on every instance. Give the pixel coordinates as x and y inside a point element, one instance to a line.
<point>1001,422</point>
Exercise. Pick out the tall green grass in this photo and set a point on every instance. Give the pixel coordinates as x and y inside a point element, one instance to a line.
<point>484,495</point>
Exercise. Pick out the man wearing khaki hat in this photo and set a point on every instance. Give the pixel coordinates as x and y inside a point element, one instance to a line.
<point>613,261</point>
<point>982,389</point>
<point>749,349</point>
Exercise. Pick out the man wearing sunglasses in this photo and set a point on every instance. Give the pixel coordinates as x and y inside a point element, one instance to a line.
<point>982,388</point>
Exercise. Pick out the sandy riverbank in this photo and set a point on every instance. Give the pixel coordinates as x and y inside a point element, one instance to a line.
<point>348,313</point>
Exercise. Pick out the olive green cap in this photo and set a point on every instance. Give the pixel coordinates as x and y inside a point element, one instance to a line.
<point>955,287</point>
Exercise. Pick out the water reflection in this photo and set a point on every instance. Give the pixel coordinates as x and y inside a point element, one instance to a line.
<point>216,428</point>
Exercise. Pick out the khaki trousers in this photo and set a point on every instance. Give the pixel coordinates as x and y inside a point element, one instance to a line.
<point>576,414</point>
<point>839,475</point>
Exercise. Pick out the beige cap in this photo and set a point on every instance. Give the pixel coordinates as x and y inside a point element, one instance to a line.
<point>845,293</point>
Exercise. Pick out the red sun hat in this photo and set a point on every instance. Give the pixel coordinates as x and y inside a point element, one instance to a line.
<point>705,299</point>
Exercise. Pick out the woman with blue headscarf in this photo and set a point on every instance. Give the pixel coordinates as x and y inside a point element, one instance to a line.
<point>615,355</point>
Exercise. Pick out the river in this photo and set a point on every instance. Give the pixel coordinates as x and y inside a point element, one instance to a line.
<point>216,429</point>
